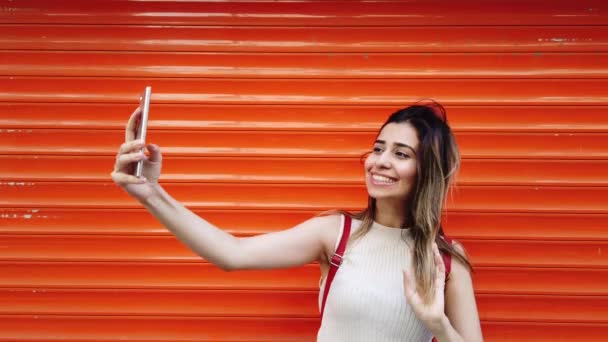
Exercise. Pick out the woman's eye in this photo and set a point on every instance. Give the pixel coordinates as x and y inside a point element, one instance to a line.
<point>377,149</point>
<point>402,155</point>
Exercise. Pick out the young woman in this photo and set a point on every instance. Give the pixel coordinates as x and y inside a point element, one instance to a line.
<point>391,285</point>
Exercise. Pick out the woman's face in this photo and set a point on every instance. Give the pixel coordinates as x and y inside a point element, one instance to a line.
<point>390,170</point>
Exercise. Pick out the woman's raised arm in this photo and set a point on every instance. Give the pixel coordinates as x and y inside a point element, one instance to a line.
<point>296,246</point>
<point>302,244</point>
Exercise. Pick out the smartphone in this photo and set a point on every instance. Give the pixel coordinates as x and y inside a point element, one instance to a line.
<point>142,127</point>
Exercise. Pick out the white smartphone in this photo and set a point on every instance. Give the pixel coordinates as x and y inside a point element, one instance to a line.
<point>142,127</point>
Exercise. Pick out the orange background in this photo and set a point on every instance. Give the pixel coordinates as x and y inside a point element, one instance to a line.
<point>263,110</point>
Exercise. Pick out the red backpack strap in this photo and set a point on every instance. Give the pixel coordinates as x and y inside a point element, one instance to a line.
<point>336,260</point>
<point>447,259</point>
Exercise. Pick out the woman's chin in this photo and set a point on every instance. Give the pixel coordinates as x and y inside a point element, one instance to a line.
<point>385,192</point>
<point>381,193</point>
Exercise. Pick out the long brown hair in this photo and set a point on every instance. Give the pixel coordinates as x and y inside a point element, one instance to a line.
<point>438,162</point>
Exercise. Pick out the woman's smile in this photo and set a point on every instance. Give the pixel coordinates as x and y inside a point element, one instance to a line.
<point>381,180</point>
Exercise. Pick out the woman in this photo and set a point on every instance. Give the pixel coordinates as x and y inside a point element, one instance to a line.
<point>392,284</point>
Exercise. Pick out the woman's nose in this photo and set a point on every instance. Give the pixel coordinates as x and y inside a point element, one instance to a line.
<point>383,160</point>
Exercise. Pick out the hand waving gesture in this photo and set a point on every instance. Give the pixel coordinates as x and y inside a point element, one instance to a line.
<point>431,314</point>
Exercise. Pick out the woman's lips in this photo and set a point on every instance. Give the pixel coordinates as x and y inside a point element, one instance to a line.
<point>382,180</point>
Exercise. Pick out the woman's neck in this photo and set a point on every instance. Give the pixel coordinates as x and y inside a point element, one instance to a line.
<point>390,214</point>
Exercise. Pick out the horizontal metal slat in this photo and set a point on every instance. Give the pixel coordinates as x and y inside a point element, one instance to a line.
<point>394,92</point>
<point>491,145</point>
<point>28,328</point>
<point>537,253</point>
<point>95,248</point>
<point>307,13</point>
<point>32,168</point>
<point>130,275</point>
<point>231,304</point>
<point>542,226</point>
<point>160,329</point>
<point>234,143</point>
<point>565,254</point>
<point>540,281</point>
<point>301,197</point>
<point>220,196</point>
<point>543,332</point>
<point>123,275</point>
<point>532,172</point>
<point>290,65</point>
<point>586,38</point>
<point>466,225</point>
<point>567,309</point>
<point>209,117</point>
<point>186,169</point>
<point>209,303</point>
<point>488,118</point>
<point>121,221</point>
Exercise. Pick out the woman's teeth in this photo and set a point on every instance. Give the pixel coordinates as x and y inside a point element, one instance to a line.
<point>382,179</point>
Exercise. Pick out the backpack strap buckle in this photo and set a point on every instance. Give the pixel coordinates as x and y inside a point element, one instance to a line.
<point>336,260</point>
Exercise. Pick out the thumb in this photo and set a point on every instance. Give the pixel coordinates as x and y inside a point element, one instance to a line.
<point>409,285</point>
<point>155,155</point>
<point>411,292</point>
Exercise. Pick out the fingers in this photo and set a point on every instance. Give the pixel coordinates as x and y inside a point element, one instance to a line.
<point>132,151</point>
<point>128,153</point>
<point>125,178</point>
<point>124,160</point>
<point>408,282</point>
<point>131,146</point>
<point>407,285</point>
<point>410,286</point>
<point>132,124</point>
<point>155,155</point>
<point>439,264</point>
<point>125,163</point>
<point>439,270</point>
<point>410,289</point>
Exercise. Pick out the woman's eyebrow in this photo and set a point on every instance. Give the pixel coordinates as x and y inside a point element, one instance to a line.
<point>397,143</point>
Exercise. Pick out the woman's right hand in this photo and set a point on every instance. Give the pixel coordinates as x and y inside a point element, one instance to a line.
<point>130,152</point>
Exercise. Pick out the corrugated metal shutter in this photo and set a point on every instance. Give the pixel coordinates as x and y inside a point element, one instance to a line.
<point>263,110</point>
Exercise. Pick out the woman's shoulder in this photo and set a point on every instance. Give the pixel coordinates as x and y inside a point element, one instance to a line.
<point>459,267</point>
<point>332,228</point>
<point>328,220</point>
<point>328,227</point>
<point>334,221</point>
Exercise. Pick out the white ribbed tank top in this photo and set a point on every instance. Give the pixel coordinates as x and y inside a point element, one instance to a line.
<point>366,301</point>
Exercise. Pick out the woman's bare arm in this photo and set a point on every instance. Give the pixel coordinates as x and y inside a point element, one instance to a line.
<point>299,245</point>
<point>460,306</point>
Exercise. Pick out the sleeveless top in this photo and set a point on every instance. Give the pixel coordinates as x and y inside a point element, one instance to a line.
<point>367,301</point>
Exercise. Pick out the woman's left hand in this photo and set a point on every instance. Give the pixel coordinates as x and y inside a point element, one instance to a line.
<point>431,314</point>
